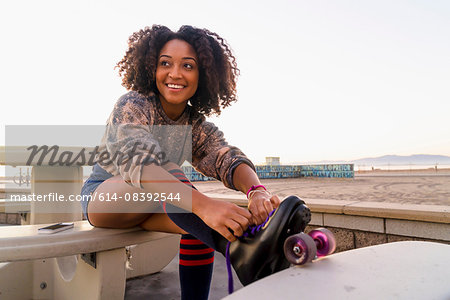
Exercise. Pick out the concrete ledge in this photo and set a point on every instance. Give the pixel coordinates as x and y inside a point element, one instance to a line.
<point>328,206</point>
<point>359,224</point>
<point>365,239</point>
<point>316,219</point>
<point>428,213</point>
<point>435,231</point>
<point>354,222</point>
<point>240,200</point>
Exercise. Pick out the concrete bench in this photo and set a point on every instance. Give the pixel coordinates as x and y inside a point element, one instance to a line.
<point>82,263</point>
<point>79,263</point>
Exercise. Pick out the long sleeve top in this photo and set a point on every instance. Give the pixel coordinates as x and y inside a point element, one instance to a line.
<point>138,132</point>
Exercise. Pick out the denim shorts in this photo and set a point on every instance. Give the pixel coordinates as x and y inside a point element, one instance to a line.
<point>97,177</point>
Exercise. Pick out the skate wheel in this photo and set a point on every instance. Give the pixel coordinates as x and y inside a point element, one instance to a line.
<point>299,249</point>
<point>324,240</point>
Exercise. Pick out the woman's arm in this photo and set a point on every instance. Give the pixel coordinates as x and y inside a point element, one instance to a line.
<point>213,157</point>
<point>260,203</point>
<point>219,215</point>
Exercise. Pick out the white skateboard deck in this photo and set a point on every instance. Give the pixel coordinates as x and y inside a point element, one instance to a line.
<point>401,270</point>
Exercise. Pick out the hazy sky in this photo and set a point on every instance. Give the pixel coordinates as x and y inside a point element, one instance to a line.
<point>320,80</point>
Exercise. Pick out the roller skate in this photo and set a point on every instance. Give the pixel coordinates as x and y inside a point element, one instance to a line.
<point>259,252</point>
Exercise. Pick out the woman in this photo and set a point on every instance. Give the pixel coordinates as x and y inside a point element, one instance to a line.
<point>176,79</point>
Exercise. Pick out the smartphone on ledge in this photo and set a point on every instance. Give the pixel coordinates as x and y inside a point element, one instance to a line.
<point>55,228</point>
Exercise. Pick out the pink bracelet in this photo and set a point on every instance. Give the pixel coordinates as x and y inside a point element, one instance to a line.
<point>254,187</point>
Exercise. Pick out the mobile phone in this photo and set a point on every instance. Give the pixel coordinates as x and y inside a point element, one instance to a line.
<point>55,228</point>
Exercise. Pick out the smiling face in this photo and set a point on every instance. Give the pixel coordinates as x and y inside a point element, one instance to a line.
<point>176,76</point>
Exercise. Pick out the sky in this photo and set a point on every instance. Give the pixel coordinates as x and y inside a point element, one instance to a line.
<point>320,80</point>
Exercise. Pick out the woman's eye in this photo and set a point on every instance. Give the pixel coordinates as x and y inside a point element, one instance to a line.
<point>188,66</point>
<point>164,63</point>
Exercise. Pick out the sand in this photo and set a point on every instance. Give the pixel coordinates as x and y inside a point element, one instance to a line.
<point>415,187</point>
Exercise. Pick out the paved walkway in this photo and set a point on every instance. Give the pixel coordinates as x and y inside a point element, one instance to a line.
<point>165,284</point>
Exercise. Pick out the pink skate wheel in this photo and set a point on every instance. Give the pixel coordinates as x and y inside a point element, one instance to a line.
<point>299,249</point>
<point>324,240</point>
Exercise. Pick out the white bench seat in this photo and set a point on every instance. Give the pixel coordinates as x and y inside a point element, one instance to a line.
<point>24,243</point>
<point>48,266</point>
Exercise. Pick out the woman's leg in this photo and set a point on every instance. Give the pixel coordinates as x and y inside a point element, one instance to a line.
<point>119,213</point>
<point>161,222</point>
<point>196,258</point>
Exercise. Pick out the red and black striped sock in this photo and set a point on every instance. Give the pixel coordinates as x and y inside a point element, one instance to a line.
<point>196,260</point>
<point>196,267</point>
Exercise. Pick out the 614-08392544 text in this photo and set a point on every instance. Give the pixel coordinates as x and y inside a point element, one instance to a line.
<point>107,197</point>
<point>141,197</point>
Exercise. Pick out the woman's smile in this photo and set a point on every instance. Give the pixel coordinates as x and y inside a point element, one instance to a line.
<point>175,86</point>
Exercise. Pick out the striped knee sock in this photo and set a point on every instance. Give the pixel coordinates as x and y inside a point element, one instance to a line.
<point>195,269</point>
<point>196,260</point>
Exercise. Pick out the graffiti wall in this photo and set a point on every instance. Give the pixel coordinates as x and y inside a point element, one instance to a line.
<point>193,175</point>
<point>288,171</point>
<point>330,171</point>
<point>281,171</point>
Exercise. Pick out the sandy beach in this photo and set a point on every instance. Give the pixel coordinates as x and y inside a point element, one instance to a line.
<point>410,186</point>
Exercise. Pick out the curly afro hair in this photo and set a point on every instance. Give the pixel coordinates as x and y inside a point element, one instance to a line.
<point>217,65</point>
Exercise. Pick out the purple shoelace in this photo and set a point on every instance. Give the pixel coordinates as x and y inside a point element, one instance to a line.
<point>251,231</point>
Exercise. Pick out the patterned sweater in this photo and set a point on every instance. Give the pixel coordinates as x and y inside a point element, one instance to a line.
<point>138,131</point>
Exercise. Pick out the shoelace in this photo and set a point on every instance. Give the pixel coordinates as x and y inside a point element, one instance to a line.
<point>251,231</point>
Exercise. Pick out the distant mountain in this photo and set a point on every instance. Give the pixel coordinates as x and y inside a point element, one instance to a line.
<point>416,159</point>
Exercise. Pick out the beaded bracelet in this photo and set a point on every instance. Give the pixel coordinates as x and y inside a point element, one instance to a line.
<point>254,187</point>
<point>256,191</point>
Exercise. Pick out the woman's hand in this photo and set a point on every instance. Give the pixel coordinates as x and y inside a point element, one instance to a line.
<point>225,216</point>
<point>260,204</point>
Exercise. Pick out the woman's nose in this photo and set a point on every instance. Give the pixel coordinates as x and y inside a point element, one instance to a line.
<point>174,73</point>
